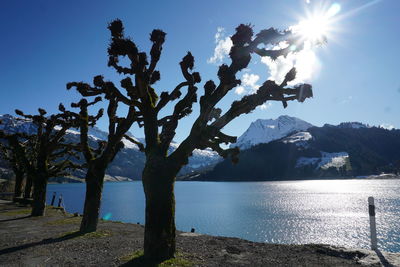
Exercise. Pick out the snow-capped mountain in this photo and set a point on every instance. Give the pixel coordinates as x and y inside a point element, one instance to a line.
<point>265,131</point>
<point>10,124</point>
<point>130,161</point>
<point>345,150</point>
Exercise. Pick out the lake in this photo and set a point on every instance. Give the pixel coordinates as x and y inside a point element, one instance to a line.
<point>290,212</point>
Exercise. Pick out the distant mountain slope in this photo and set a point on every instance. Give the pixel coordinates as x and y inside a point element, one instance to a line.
<point>264,131</point>
<point>129,162</point>
<point>328,151</point>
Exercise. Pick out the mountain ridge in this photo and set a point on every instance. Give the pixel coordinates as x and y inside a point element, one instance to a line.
<point>328,151</point>
<point>313,151</point>
<point>267,130</point>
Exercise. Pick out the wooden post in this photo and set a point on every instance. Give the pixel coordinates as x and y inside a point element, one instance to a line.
<point>372,223</point>
<point>59,201</point>
<point>53,198</point>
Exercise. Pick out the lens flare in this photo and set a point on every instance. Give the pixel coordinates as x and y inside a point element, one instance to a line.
<point>107,216</point>
<point>333,10</point>
<point>320,23</point>
<point>317,26</point>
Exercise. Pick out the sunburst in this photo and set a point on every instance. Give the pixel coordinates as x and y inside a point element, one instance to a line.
<point>318,25</point>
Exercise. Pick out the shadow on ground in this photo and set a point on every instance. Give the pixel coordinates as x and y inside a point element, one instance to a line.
<point>43,242</point>
<point>382,258</point>
<point>15,219</point>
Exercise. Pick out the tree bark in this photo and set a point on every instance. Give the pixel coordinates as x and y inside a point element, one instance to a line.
<point>19,177</point>
<point>28,186</point>
<point>94,187</point>
<point>39,195</point>
<point>159,236</point>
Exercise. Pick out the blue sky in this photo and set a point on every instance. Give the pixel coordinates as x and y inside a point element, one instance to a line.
<point>45,44</point>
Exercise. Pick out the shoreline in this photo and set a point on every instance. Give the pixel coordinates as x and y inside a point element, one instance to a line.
<point>385,176</point>
<point>50,240</point>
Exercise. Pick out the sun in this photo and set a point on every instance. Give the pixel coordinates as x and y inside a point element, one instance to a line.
<point>314,29</point>
<point>317,26</point>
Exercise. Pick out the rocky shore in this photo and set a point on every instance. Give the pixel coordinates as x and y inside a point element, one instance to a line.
<point>53,240</point>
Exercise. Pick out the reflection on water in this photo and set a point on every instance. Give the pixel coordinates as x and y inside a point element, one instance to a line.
<point>315,211</point>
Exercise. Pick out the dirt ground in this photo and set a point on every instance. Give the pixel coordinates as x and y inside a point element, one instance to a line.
<point>53,240</point>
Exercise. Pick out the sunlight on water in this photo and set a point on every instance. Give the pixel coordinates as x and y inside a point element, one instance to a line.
<point>315,211</point>
<point>331,186</point>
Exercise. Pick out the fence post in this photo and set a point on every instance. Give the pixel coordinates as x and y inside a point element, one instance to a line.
<point>372,223</point>
<point>53,198</point>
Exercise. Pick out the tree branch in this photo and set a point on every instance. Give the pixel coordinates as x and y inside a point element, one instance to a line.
<point>243,46</point>
<point>134,141</point>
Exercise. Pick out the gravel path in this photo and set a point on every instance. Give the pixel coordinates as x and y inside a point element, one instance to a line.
<point>53,240</point>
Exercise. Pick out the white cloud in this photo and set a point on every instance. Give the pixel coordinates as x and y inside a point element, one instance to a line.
<point>305,62</point>
<point>240,90</point>
<point>265,106</point>
<point>249,84</point>
<point>223,46</point>
<point>387,126</point>
<point>250,80</point>
<point>219,34</point>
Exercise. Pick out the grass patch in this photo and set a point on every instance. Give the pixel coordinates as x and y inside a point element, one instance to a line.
<point>78,234</point>
<point>68,220</point>
<point>17,212</point>
<point>178,261</point>
<point>97,234</point>
<point>137,259</point>
<point>133,255</point>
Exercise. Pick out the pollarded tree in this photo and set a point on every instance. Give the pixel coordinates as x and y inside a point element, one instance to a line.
<point>9,154</point>
<point>161,168</point>
<point>18,169</point>
<point>98,159</point>
<point>15,150</point>
<point>50,156</point>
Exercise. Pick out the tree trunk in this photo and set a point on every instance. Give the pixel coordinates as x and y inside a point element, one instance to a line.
<point>94,187</point>
<point>19,177</point>
<point>39,195</point>
<point>159,236</point>
<point>28,186</point>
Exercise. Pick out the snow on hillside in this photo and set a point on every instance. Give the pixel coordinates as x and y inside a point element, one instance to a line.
<point>300,139</point>
<point>326,161</point>
<point>11,125</point>
<point>335,160</point>
<point>264,131</point>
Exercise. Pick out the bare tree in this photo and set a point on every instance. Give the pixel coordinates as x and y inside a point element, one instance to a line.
<point>9,154</point>
<point>17,149</point>
<point>145,105</point>
<point>49,155</point>
<point>98,159</point>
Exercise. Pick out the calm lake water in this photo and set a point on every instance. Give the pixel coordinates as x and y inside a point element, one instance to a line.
<point>299,212</point>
